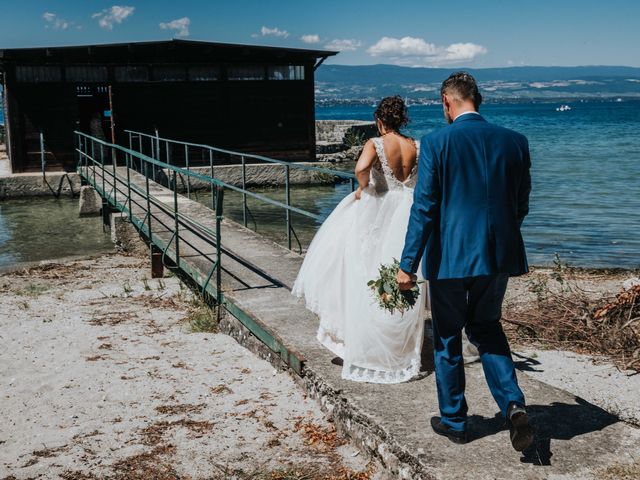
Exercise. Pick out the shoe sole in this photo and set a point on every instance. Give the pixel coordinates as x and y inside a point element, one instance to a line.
<point>522,437</point>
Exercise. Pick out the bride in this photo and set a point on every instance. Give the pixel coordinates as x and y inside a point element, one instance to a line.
<point>365,230</point>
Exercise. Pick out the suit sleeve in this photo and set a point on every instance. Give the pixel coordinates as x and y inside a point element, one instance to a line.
<point>525,186</point>
<point>426,201</point>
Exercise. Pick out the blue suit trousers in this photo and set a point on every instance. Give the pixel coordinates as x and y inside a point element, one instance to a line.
<point>475,304</point>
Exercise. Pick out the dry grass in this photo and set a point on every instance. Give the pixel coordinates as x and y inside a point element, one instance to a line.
<point>323,437</point>
<point>621,472</point>
<point>220,389</point>
<point>179,409</point>
<point>567,317</point>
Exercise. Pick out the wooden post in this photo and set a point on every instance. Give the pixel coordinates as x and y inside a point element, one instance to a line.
<point>157,268</point>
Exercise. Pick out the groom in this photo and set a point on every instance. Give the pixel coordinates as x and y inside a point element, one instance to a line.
<point>469,203</point>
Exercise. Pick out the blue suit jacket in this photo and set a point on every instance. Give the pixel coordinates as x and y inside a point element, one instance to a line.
<point>469,203</point>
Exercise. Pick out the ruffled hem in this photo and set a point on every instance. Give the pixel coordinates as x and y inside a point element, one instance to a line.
<point>369,375</point>
<point>327,339</point>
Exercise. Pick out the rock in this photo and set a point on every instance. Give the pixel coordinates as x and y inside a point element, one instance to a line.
<point>90,203</point>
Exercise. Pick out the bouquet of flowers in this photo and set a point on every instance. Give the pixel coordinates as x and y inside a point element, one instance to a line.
<point>388,294</point>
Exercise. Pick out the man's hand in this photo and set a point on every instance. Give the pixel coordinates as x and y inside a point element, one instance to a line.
<point>406,281</point>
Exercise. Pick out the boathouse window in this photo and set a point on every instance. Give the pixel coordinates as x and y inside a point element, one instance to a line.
<point>286,72</point>
<point>132,73</point>
<point>204,73</point>
<point>88,74</point>
<point>169,73</point>
<point>246,72</point>
<point>35,74</point>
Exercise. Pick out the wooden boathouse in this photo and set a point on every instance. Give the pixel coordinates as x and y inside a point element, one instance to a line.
<point>245,98</point>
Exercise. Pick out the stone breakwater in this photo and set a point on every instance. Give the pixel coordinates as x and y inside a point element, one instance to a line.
<point>341,140</point>
<point>257,175</point>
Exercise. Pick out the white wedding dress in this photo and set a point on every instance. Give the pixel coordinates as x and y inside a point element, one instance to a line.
<point>345,254</point>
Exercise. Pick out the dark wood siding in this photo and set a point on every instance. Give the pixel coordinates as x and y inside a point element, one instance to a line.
<point>185,93</point>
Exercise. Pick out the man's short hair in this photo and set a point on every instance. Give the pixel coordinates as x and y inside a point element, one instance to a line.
<point>463,86</point>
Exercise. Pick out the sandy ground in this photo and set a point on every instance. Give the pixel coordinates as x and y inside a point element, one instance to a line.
<point>593,379</point>
<point>101,377</point>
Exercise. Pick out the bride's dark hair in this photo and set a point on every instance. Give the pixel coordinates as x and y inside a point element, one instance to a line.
<point>392,112</point>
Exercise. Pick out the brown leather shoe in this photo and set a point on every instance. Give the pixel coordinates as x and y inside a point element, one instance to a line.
<point>521,433</point>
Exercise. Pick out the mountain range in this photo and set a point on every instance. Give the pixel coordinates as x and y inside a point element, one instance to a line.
<point>366,83</point>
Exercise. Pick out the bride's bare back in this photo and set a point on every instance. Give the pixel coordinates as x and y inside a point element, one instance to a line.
<point>400,152</point>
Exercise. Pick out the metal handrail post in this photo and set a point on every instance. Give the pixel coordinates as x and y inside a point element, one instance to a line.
<point>287,193</point>
<point>43,162</point>
<point>219,207</point>
<point>244,189</point>
<point>168,147</point>
<point>93,161</point>
<point>104,192</point>
<point>115,188</point>
<point>130,142</point>
<point>77,140</point>
<point>158,145</point>
<point>153,155</point>
<point>146,178</point>
<point>213,189</point>
<point>353,184</point>
<point>186,159</point>
<point>175,213</point>
<point>128,159</point>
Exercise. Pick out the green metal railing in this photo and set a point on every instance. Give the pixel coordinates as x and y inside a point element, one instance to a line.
<point>98,161</point>
<point>164,148</point>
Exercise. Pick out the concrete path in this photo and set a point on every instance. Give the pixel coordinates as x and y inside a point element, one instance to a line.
<point>575,439</point>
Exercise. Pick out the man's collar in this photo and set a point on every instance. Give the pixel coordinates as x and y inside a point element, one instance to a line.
<point>466,113</point>
<point>466,116</point>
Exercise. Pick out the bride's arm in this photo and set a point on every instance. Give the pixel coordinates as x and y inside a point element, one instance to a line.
<point>363,166</point>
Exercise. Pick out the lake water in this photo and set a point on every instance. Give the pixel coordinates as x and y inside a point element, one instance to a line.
<point>42,228</point>
<point>585,203</point>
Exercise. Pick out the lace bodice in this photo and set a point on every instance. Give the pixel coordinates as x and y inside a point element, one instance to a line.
<point>382,177</point>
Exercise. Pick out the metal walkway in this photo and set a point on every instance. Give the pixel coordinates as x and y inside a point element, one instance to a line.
<point>219,256</point>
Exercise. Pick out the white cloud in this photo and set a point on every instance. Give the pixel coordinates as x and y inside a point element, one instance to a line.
<point>55,22</point>
<point>114,15</point>
<point>181,25</point>
<point>310,38</point>
<point>271,32</point>
<point>343,44</point>
<point>417,52</point>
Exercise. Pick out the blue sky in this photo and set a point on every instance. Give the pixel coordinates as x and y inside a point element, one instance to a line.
<point>480,33</point>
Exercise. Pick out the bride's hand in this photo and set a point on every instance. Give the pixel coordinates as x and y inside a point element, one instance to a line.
<point>358,193</point>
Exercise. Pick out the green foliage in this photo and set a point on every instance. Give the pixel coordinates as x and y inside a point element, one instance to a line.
<point>32,290</point>
<point>126,287</point>
<point>562,272</point>
<point>201,318</point>
<point>387,292</point>
<point>353,138</point>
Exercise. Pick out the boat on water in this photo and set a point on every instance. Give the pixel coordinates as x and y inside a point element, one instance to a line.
<point>563,108</point>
